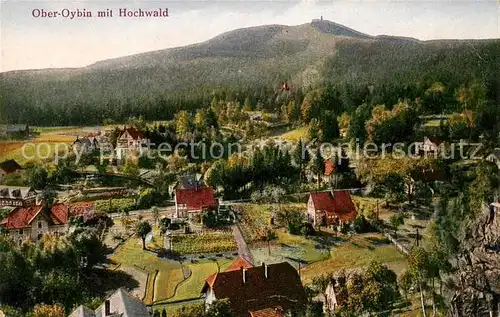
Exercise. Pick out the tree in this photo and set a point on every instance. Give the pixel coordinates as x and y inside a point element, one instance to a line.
<point>268,236</point>
<point>48,311</point>
<point>247,105</point>
<point>48,196</point>
<point>301,157</point>
<point>142,230</point>
<point>163,312</point>
<point>396,220</point>
<point>220,308</point>
<point>318,166</point>
<point>155,211</point>
<point>37,177</point>
<point>314,130</point>
<point>320,284</point>
<point>184,124</point>
<point>130,169</point>
<point>209,219</point>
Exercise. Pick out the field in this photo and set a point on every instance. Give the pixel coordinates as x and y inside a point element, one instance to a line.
<point>357,252</point>
<point>207,242</point>
<point>115,205</point>
<point>166,283</point>
<point>191,287</point>
<point>294,135</point>
<point>131,254</point>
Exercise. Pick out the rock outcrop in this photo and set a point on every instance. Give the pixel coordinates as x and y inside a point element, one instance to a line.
<point>478,275</point>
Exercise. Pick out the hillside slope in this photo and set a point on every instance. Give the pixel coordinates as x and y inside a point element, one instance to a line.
<point>247,59</point>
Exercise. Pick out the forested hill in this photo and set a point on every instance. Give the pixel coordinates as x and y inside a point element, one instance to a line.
<point>249,62</point>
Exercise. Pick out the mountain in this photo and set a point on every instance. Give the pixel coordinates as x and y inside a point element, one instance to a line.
<point>244,59</point>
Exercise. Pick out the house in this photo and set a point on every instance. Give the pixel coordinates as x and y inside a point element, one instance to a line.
<point>189,181</point>
<point>238,264</point>
<point>428,146</point>
<point>494,157</point>
<point>130,139</point>
<point>120,304</point>
<point>194,200</point>
<point>17,196</point>
<point>274,289</point>
<point>34,221</point>
<point>86,144</point>
<point>330,208</point>
<point>15,130</point>
<point>8,167</point>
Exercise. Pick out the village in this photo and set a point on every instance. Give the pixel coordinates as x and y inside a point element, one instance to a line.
<point>192,235</point>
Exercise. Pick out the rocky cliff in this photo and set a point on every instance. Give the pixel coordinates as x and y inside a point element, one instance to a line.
<point>478,276</point>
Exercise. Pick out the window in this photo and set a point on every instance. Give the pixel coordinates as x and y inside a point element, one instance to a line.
<point>21,231</point>
<point>39,224</point>
<point>40,235</point>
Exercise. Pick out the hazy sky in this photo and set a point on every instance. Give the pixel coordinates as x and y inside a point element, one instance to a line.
<point>29,42</point>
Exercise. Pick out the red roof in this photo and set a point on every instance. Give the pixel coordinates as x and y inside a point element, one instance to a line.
<point>81,208</point>
<point>196,198</point>
<point>236,265</point>
<point>21,217</point>
<point>340,204</point>
<point>268,312</point>
<point>281,288</point>
<point>134,133</point>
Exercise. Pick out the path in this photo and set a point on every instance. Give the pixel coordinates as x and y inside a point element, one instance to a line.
<point>243,250</point>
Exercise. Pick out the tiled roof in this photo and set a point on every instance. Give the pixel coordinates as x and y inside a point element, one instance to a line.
<point>196,198</point>
<point>268,312</point>
<point>81,208</point>
<point>134,133</point>
<point>282,287</point>
<point>21,217</point>
<point>339,204</point>
<point>10,166</point>
<point>236,265</point>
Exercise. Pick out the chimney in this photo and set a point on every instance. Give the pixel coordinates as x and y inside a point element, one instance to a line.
<point>244,273</point>
<point>264,265</point>
<point>107,308</point>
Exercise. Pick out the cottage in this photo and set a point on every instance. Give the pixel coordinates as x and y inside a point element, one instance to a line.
<point>85,145</point>
<point>130,139</point>
<point>120,304</point>
<point>17,196</point>
<point>8,167</point>
<point>273,289</point>
<point>34,221</point>
<point>194,200</point>
<point>330,208</point>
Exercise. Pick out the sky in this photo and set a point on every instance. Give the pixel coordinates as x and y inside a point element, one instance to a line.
<point>29,42</point>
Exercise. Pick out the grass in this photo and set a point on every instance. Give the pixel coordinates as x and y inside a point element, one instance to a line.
<point>150,286</point>
<point>210,242</point>
<point>34,152</point>
<point>357,252</point>
<point>131,254</point>
<point>305,249</point>
<point>172,308</point>
<point>191,287</point>
<point>295,135</point>
<point>166,283</point>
